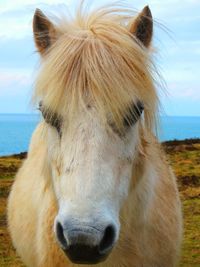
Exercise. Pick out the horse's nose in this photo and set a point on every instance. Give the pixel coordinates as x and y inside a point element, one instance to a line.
<point>86,244</point>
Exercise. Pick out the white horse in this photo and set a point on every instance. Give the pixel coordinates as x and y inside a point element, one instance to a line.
<point>96,187</point>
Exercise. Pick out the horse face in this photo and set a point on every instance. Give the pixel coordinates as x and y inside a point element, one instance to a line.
<point>91,162</point>
<point>91,166</point>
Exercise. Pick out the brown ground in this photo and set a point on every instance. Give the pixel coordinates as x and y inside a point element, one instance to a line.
<point>184,156</point>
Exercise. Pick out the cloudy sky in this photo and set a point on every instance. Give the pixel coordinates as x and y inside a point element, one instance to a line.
<point>176,38</point>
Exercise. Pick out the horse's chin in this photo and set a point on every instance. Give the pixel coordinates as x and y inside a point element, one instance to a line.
<point>85,255</point>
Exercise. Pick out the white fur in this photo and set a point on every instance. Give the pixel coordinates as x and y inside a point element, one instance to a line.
<point>91,179</point>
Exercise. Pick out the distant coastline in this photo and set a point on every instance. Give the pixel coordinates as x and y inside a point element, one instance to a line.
<point>169,146</point>
<point>16,130</point>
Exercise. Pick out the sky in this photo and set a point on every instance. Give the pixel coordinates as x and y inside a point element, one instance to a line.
<point>176,41</point>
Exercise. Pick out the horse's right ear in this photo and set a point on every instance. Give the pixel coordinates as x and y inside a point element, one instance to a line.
<point>43,30</point>
<point>142,26</point>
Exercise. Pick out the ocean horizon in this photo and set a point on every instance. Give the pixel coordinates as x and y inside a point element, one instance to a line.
<point>16,130</point>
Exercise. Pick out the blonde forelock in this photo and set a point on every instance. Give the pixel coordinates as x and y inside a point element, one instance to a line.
<point>96,60</point>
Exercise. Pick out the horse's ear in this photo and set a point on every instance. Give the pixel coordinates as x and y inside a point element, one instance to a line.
<point>142,27</point>
<point>43,30</point>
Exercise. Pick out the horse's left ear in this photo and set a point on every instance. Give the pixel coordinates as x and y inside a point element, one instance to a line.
<point>142,26</point>
<point>43,30</point>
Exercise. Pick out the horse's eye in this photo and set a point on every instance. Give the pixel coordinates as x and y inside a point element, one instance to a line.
<point>51,118</point>
<point>133,114</point>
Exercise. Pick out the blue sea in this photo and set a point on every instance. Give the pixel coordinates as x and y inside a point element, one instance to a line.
<point>16,130</point>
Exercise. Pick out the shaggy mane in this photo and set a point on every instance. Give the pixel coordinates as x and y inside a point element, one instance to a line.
<point>96,61</point>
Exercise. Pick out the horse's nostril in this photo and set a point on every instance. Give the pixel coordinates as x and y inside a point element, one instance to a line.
<point>108,239</point>
<point>60,235</point>
<point>85,244</point>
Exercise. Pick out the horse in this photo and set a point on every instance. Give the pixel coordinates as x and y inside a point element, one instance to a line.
<point>96,186</point>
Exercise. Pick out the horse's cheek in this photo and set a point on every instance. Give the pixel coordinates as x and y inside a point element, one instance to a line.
<point>48,251</point>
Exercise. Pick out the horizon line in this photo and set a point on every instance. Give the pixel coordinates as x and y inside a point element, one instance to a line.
<point>38,113</point>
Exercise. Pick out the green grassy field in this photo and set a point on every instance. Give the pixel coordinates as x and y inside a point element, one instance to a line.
<point>185,160</point>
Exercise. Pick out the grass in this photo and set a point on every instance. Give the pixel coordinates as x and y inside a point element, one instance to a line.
<point>185,160</point>
<point>191,244</point>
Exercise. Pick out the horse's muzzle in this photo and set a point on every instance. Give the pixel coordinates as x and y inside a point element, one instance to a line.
<point>86,245</point>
